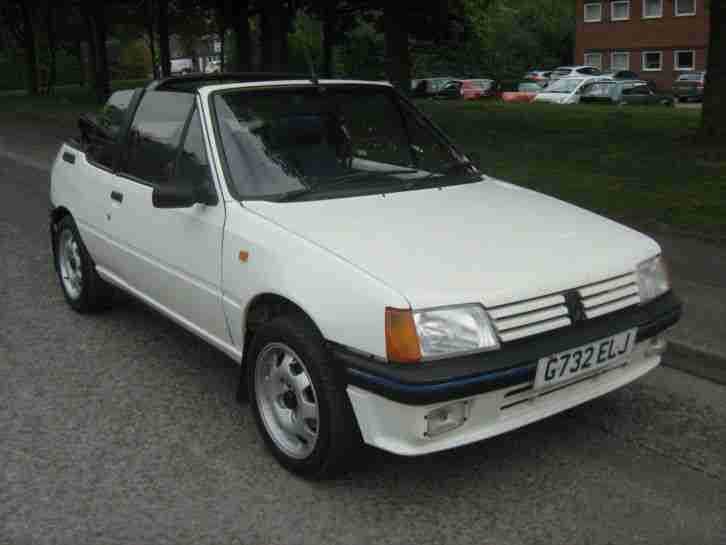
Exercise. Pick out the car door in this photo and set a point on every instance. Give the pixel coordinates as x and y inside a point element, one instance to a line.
<point>637,95</point>
<point>170,257</point>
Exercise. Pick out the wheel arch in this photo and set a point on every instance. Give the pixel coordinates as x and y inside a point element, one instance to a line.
<point>265,307</point>
<point>56,216</point>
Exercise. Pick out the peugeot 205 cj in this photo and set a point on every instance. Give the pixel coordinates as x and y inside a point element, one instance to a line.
<point>373,283</point>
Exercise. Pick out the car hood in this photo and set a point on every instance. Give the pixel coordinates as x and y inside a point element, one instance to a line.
<point>490,241</point>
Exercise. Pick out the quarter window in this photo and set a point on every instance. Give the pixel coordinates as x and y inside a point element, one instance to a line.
<point>594,60</point>
<point>100,140</point>
<point>652,9</point>
<point>620,60</point>
<point>155,134</point>
<point>685,7</point>
<point>685,60</point>
<point>620,11</point>
<point>652,61</point>
<point>593,13</point>
<point>192,167</point>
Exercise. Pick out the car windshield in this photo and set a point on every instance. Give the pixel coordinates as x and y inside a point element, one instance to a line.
<point>309,142</point>
<point>566,85</point>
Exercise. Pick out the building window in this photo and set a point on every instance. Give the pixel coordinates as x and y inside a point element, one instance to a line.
<point>620,60</point>
<point>652,61</point>
<point>685,60</point>
<point>593,13</point>
<point>652,9</point>
<point>620,11</point>
<point>594,60</point>
<point>685,7</point>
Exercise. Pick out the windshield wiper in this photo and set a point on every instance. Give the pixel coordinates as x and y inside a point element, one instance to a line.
<point>359,176</point>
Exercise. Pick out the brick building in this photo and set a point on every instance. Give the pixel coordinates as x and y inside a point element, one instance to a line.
<point>658,39</point>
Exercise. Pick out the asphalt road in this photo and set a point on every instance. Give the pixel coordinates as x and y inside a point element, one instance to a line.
<point>123,428</point>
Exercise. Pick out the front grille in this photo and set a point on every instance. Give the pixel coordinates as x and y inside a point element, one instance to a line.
<point>610,295</point>
<point>519,320</point>
<point>526,318</point>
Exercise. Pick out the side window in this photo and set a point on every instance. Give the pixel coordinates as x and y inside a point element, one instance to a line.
<point>192,167</point>
<point>154,136</point>
<point>640,90</point>
<point>100,138</point>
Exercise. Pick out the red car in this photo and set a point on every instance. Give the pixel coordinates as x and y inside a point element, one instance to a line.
<point>526,91</point>
<point>468,89</point>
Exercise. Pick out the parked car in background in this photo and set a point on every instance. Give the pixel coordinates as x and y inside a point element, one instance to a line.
<point>213,67</point>
<point>467,89</point>
<point>689,86</point>
<point>622,74</point>
<point>574,71</point>
<point>566,90</point>
<point>637,93</point>
<point>182,66</point>
<point>541,77</point>
<point>429,87</point>
<point>526,92</point>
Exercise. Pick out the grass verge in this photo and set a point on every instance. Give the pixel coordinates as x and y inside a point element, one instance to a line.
<point>645,166</point>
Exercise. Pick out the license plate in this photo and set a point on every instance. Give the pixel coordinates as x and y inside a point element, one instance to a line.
<point>585,359</point>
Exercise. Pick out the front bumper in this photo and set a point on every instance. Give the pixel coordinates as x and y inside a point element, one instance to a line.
<point>390,400</point>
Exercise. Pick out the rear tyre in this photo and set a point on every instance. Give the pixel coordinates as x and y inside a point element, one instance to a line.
<point>83,289</point>
<point>298,399</point>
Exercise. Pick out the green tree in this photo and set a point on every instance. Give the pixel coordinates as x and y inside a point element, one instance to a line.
<point>713,117</point>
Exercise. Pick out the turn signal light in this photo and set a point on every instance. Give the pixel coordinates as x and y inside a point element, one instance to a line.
<point>402,345</point>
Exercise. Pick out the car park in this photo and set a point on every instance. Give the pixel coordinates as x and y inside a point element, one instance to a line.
<point>526,92</point>
<point>365,274</point>
<point>574,71</point>
<point>689,86</point>
<point>566,90</point>
<point>635,93</point>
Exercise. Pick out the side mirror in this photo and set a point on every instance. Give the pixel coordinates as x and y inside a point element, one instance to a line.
<point>181,197</point>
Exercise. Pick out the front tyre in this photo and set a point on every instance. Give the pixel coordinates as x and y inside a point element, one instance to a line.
<point>83,289</point>
<point>298,401</point>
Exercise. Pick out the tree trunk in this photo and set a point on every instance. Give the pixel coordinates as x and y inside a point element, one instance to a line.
<point>164,51</point>
<point>102,83</point>
<point>242,42</point>
<point>713,118</point>
<point>398,56</point>
<point>151,36</point>
<point>271,35</point>
<point>221,30</point>
<point>81,64</point>
<point>329,24</point>
<point>31,60</point>
<point>91,40</point>
<point>50,29</point>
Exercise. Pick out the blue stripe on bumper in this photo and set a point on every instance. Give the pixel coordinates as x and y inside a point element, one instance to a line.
<point>506,374</point>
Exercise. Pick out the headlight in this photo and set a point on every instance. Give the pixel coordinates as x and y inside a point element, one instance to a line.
<point>653,279</point>
<point>438,332</point>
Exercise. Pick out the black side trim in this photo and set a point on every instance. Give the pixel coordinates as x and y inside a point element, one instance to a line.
<point>515,363</point>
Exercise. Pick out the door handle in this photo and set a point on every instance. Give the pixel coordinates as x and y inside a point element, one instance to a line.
<point>69,157</point>
<point>117,196</point>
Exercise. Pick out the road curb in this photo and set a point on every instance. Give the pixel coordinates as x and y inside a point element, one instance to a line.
<point>696,362</point>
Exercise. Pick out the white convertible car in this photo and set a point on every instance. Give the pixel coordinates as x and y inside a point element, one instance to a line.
<point>374,285</point>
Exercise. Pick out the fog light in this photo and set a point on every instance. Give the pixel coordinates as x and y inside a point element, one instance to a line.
<point>656,346</point>
<point>446,418</point>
